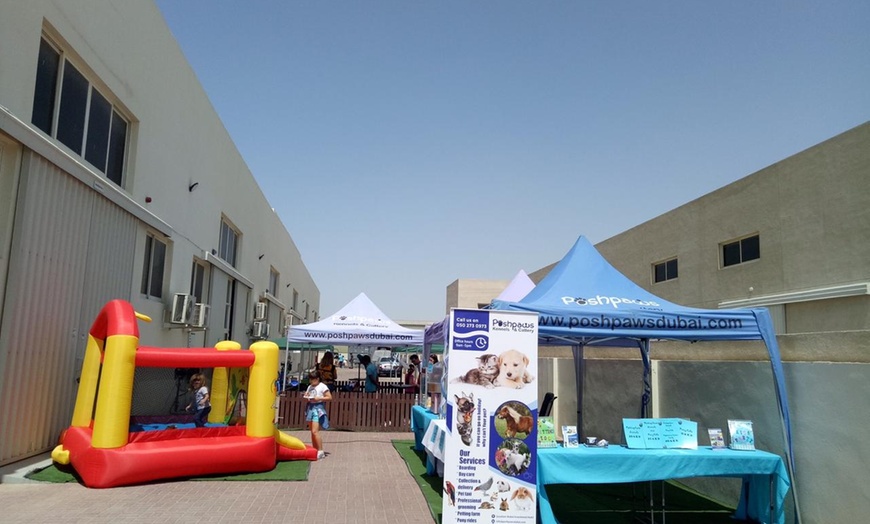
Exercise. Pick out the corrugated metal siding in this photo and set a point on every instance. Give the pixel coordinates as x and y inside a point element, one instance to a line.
<point>109,272</point>
<point>53,284</point>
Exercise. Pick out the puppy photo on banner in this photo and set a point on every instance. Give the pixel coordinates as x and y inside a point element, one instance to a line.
<point>492,406</point>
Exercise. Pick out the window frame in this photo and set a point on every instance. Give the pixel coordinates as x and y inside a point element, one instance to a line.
<point>198,271</point>
<point>740,244</point>
<point>147,286</point>
<point>274,281</point>
<point>110,166</point>
<point>666,266</point>
<point>227,225</point>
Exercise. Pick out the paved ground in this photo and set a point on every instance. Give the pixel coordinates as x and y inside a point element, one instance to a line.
<point>362,481</point>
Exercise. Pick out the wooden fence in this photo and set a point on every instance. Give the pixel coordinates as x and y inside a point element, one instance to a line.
<point>353,410</point>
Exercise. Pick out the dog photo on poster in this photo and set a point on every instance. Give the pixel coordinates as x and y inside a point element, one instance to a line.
<point>492,408</point>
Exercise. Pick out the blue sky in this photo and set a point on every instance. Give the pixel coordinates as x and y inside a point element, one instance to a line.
<point>406,144</point>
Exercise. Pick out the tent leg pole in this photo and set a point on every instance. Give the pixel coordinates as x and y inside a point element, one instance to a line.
<point>646,396</point>
<point>580,373</point>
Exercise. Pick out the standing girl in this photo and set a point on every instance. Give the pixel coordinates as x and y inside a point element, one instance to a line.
<point>201,401</point>
<point>315,414</point>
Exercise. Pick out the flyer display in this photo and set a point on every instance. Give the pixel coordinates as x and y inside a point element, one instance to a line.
<point>660,433</point>
<point>490,468</point>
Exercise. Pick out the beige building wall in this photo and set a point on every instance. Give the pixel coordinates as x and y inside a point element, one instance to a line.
<point>811,212</point>
<point>473,293</point>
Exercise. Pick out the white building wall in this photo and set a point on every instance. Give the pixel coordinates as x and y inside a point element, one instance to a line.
<point>175,140</point>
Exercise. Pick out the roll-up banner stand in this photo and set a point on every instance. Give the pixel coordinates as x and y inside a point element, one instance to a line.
<point>490,468</point>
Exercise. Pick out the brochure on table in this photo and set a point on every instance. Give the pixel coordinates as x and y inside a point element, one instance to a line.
<point>660,433</point>
<point>740,435</point>
<point>569,437</point>
<point>547,433</point>
<point>490,468</point>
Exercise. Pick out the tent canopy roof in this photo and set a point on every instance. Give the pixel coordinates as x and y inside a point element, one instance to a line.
<point>586,300</point>
<point>360,322</point>
<point>519,287</point>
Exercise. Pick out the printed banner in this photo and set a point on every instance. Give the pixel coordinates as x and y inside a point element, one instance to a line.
<point>490,468</point>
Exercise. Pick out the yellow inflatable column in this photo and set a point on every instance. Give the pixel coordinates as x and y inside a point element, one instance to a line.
<point>88,384</point>
<point>262,390</point>
<point>220,385</point>
<point>112,419</point>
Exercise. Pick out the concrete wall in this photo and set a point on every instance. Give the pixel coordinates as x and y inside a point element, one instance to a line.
<point>183,176</point>
<point>176,139</point>
<point>471,293</point>
<point>811,214</point>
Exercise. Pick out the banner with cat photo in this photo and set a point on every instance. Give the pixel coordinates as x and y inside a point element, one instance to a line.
<point>490,468</point>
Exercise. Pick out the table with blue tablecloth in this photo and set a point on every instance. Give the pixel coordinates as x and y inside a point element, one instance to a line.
<point>434,441</point>
<point>420,420</point>
<point>764,474</point>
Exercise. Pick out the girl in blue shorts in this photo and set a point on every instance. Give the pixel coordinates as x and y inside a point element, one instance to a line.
<point>315,414</point>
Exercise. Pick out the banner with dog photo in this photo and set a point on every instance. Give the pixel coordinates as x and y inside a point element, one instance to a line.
<point>490,468</point>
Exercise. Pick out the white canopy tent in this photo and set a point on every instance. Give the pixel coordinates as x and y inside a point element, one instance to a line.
<point>359,323</point>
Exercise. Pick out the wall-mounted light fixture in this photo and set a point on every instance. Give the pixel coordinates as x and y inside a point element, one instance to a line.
<point>192,186</point>
<point>261,256</point>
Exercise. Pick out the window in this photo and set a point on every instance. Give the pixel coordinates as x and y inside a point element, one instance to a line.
<point>228,243</point>
<point>81,118</point>
<point>273,282</point>
<point>152,269</point>
<point>740,251</point>
<point>229,309</point>
<point>295,300</point>
<point>666,270</point>
<point>197,279</point>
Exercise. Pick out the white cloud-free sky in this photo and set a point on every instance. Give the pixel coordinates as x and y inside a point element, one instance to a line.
<point>406,144</point>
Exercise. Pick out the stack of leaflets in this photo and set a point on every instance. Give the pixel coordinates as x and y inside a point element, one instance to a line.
<point>569,437</point>
<point>740,435</point>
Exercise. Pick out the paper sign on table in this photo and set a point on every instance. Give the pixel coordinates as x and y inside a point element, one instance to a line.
<point>633,430</point>
<point>678,433</point>
<point>660,433</point>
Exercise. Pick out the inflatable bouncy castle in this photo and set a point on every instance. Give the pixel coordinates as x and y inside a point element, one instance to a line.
<point>100,445</point>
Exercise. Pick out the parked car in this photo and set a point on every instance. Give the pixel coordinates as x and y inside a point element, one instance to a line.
<point>389,367</point>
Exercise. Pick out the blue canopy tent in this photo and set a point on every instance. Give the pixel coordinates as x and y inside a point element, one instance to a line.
<point>584,301</point>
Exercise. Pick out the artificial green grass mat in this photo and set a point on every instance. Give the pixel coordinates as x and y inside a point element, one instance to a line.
<point>429,485</point>
<point>53,473</point>
<point>291,470</point>
<point>591,503</point>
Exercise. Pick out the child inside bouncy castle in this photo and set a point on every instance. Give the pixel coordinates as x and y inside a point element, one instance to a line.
<point>201,402</point>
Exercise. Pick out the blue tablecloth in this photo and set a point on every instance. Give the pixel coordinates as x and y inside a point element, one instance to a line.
<point>763,473</point>
<point>434,441</point>
<point>420,419</point>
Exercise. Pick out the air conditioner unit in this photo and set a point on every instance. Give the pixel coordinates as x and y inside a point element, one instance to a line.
<point>260,309</point>
<point>260,330</point>
<point>199,318</point>
<point>182,307</point>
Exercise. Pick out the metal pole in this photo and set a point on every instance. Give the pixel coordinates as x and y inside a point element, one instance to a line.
<point>580,373</point>
<point>286,356</point>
